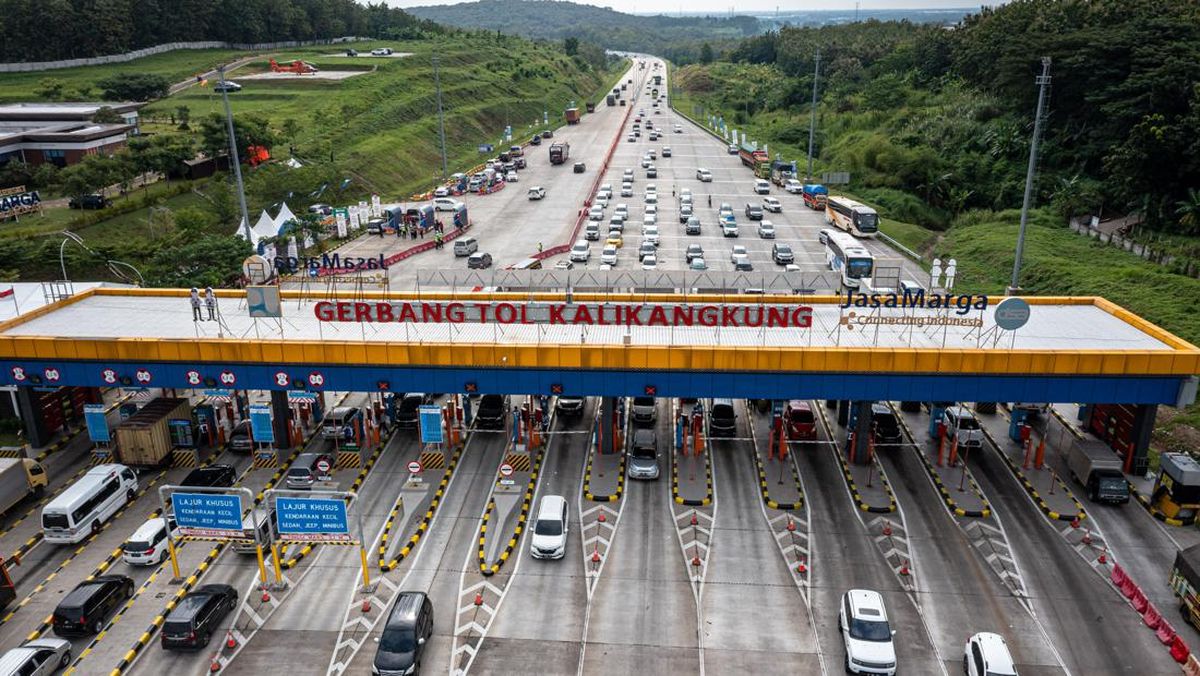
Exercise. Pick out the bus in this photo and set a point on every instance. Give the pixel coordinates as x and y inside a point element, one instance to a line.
<point>80,510</point>
<point>846,256</point>
<point>857,219</point>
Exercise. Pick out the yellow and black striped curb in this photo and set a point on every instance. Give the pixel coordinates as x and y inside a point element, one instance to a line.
<point>423,525</point>
<point>520,462</point>
<point>290,563</point>
<point>587,481</point>
<point>1033,493</point>
<point>863,504</point>
<point>983,512</point>
<point>708,482</point>
<point>522,517</point>
<point>15,558</point>
<point>99,570</point>
<point>433,460</point>
<point>61,443</point>
<point>12,453</point>
<point>766,496</point>
<point>183,459</point>
<point>348,459</point>
<point>156,623</point>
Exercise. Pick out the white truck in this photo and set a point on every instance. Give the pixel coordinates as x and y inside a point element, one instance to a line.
<point>1098,468</point>
<point>19,477</point>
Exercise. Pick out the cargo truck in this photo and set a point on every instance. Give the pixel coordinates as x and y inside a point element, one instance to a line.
<point>572,115</point>
<point>144,438</point>
<point>754,158</point>
<point>782,172</point>
<point>20,478</point>
<point>559,152</point>
<point>1185,581</point>
<point>815,196</point>
<point>1094,465</point>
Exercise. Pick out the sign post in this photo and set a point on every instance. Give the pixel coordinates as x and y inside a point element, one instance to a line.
<point>200,511</point>
<point>314,517</point>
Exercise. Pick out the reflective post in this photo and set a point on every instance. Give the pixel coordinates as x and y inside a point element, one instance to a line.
<point>171,549</point>
<point>275,563</point>
<point>262,567</point>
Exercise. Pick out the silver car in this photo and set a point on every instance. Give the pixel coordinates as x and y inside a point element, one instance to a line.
<point>642,462</point>
<point>40,657</point>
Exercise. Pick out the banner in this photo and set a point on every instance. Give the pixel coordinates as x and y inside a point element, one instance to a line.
<point>431,425</point>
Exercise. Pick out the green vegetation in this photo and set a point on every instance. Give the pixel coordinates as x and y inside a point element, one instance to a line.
<point>47,30</point>
<point>681,39</point>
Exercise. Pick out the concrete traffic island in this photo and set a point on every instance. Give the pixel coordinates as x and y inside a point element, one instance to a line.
<point>1041,480</point>
<point>946,466</point>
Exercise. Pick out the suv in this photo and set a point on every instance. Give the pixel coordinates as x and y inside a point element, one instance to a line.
<point>766,230</point>
<point>693,226</point>
<point>549,537</point>
<point>729,228</point>
<point>148,544</point>
<point>240,439</point>
<point>303,473</point>
<point>492,408</point>
<point>694,251</point>
<point>211,476</point>
<point>799,421</point>
<point>772,204</point>
<point>402,644</point>
<point>863,622</point>
<point>782,254</point>
<point>986,654</point>
<point>195,618</point>
<point>884,424</point>
<point>592,231</point>
<point>722,420</point>
<point>86,609</point>
<point>643,410</point>
<point>961,421</point>
<point>572,406</point>
<point>643,454</point>
<point>754,211</point>
<point>89,202</point>
<point>581,252</point>
<point>407,413</point>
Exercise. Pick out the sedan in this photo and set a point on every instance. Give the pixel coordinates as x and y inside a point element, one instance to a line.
<point>615,239</point>
<point>698,264</point>
<point>646,249</point>
<point>609,256</point>
<point>651,198</point>
<point>650,263</point>
<point>694,251</point>
<point>479,261</point>
<point>666,151</point>
<point>704,175</point>
<point>626,190</point>
<point>737,250</point>
<point>766,230</point>
<point>442,191</point>
<point>649,219</point>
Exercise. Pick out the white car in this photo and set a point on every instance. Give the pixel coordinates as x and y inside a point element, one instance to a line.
<point>678,129</point>
<point>793,186</point>
<point>863,622</point>
<point>987,654</point>
<point>581,252</point>
<point>772,204</point>
<point>511,177</point>
<point>645,161</point>
<point>652,209</point>
<point>622,210</point>
<point>627,189</point>
<point>650,263</point>
<point>381,51</point>
<point>766,230</point>
<point>148,544</point>
<point>39,657</point>
<point>537,192</point>
<point>650,234</point>
<point>627,176</point>
<point>762,187</point>
<point>549,533</point>
<point>737,250</point>
<point>609,255</point>
<point>649,219</point>
<point>601,199</point>
<point>704,175</point>
<point>651,198</point>
<point>442,191</point>
<point>596,213</point>
<point>446,204</point>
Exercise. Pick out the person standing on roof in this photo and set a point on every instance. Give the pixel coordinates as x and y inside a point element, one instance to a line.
<point>195,300</point>
<point>210,300</point>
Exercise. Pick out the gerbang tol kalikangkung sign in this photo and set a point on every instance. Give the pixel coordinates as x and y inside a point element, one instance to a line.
<point>17,201</point>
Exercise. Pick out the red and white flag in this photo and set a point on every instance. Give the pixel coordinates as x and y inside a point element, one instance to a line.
<point>6,292</point>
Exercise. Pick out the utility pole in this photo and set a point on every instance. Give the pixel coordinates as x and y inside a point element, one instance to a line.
<point>812,121</point>
<point>437,81</point>
<point>1043,82</point>
<point>233,156</point>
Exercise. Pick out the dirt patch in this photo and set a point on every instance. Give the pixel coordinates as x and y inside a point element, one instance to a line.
<point>1178,429</point>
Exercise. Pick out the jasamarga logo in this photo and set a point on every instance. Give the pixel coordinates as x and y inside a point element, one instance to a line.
<point>916,299</point>
<point>291,265</point>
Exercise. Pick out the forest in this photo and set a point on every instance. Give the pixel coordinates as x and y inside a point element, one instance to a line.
<point>48,30</point>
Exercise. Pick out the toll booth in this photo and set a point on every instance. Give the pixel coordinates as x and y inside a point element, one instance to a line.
<point>423,216</point>
<point>1126,428</point>
<point>395,217</point>
<point>461,218</point>
<point>1177,488</point>
<point>936,411</point>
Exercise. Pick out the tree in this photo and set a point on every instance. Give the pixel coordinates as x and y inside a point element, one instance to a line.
<point>211,260</point>
<point>50,88</point>
<point>290,127</point>
<point>571,46</point>
<point>307,227</point>
<point>134,86</point>
<point>183,115</point>
<point>106,115</point>
<point>250,130</point>
<point>1188,211</point>
<point>193,223</point>
<point>82,179</point>
<point>706,53</point>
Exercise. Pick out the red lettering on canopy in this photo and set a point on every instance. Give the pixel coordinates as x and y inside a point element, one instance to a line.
<point>362,312</point>
<point>802,317</point>
<point>324,311</point>
<point>632,315</point>
<point>343,312</point>
<point>407,314</point>
<point>728,316</point>
<point>582,315</point>
<point>455,313</point>
<point>757,318</point>
<point>431,312</point>
<point>777,317</point>
<point>383,313</point>
<point>708,315</point>
<point>506,313</point>
<point>483,311</point>
<point>556,314</point>
<point>658,316</point>
<point>685,315</point>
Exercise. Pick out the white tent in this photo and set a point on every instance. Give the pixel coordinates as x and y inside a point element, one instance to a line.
<point>241,230</point>
<point>265,227</point>
<point>285,216</point>
<point>293,163</point>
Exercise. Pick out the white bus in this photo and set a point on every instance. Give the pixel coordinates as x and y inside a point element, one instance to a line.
<point>855,218</point>
<point>845,255</point>
<point>80,510</point>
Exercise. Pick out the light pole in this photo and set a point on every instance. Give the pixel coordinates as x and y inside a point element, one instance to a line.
<point>233,156</point>
<point>812,121</point>
<point>437,81</point>
<point>1043,81</point>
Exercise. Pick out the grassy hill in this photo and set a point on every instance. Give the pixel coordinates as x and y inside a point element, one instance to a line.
<point>600,25</point>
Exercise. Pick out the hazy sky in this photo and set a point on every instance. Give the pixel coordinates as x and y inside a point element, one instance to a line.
<point>722,6</point>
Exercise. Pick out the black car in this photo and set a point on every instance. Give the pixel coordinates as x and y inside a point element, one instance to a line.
<point>212,476</point>
<point>196,617</point>
<point>86,609</point>
<point>406,411</point>
<point>722,420</point>
<point>884,425</point>
<point>89,202</point>
<point>402,643</point>
<point>492,409</point>
<point>536,140</point>
<point>548,134</point>
<point>569,406</point>
<point>580,167</point>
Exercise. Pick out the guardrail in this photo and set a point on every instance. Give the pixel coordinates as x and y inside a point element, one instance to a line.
<point>900,247</point>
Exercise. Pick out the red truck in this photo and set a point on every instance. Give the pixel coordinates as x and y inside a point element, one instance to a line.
<point>559,152</point>
<point>752,157</point>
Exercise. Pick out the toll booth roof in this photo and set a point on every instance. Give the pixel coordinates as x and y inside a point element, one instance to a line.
<point>1062,324</point>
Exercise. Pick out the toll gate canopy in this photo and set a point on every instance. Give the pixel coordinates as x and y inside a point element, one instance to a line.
<point>1080,350</point>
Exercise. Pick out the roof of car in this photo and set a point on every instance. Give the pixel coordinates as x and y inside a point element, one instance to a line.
<point>408,604</point>
<point>995,652</point>
<point>867,600</point>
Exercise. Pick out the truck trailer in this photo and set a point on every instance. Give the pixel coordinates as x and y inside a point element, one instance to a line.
<point>572,115</point>
<point>559,152</point>
<point>1094,465</point>
<point>1185,581</point>
<point>144,438</point>
<point>20,478</point>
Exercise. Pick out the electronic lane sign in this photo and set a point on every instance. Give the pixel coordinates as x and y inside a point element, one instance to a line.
<point>208,514</point>
<point>431,424</point>
<point>312,519</point>
<point>97,422</point>
<point>260,424</point>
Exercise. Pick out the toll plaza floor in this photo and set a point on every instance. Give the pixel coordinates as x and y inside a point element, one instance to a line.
<point>1044,484</point>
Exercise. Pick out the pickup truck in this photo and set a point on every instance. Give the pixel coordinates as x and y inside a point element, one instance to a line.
<point>1098,468</point>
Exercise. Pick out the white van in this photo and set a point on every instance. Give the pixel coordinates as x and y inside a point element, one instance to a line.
<point>258,520</point>
<point>961,421</point>
<point>148,544</point>
<point>465,246</point>
<point>82,509</point>
<point>549,538</point>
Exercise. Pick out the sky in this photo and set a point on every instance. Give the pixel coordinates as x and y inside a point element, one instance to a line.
<point>745,6</point>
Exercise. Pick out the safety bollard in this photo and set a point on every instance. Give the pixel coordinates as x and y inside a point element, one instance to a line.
<point>1040,457</point>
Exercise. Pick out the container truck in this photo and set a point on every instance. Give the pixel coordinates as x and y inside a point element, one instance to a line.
<point>19,478</point>
<point>782,172</point>
<point>144,438</point>
<point>815,195</point>
<point>572,115</point>
<point>1185,581</point>
<point>1097,468</point>
<point>752,157</point>
<point>559,152</point>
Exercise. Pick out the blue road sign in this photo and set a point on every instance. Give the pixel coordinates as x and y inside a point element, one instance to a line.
<point>311,519</point>
<point>211,514</point>
<point>97,422</point>
<point>431,425</point>
<point>260,424</point>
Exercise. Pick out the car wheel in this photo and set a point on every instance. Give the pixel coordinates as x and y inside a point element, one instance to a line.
<point>846,663</point>
<point>130,495</point>
<point>97,626</point>
<point>95,527</point>
<point>66,659</point>
<point>207,638</point>
<point>128,592</point>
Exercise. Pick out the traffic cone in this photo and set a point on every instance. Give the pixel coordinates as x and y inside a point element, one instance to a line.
<point>1103,557</point>
<point>366,605</point>
<point>1087,536</point>
<point>694,521</point>
<point>478,599</point>
<point>266,596</point>
<point>801,568</point>
<point>887,528</point>
<point>215,666</point>
<point>601,518</point>
<point>904,568</point>
<point>230,641</point>
<point>696,560</point>
<point>596,554</point>
<point>1075,522</point>
<point>791,527</point>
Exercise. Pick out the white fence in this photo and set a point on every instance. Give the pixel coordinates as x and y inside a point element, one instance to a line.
<point>159,49</point>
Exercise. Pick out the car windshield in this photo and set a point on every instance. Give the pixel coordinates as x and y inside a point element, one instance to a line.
<point>867,222</point>
<point>857,268</point>
<point>784,249</point>
<point>50,520</point>
<point>968,424</point>
<point>643,451</point>
<point>870,630</point>
<point>548,527</point>
<point>398,640</point>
